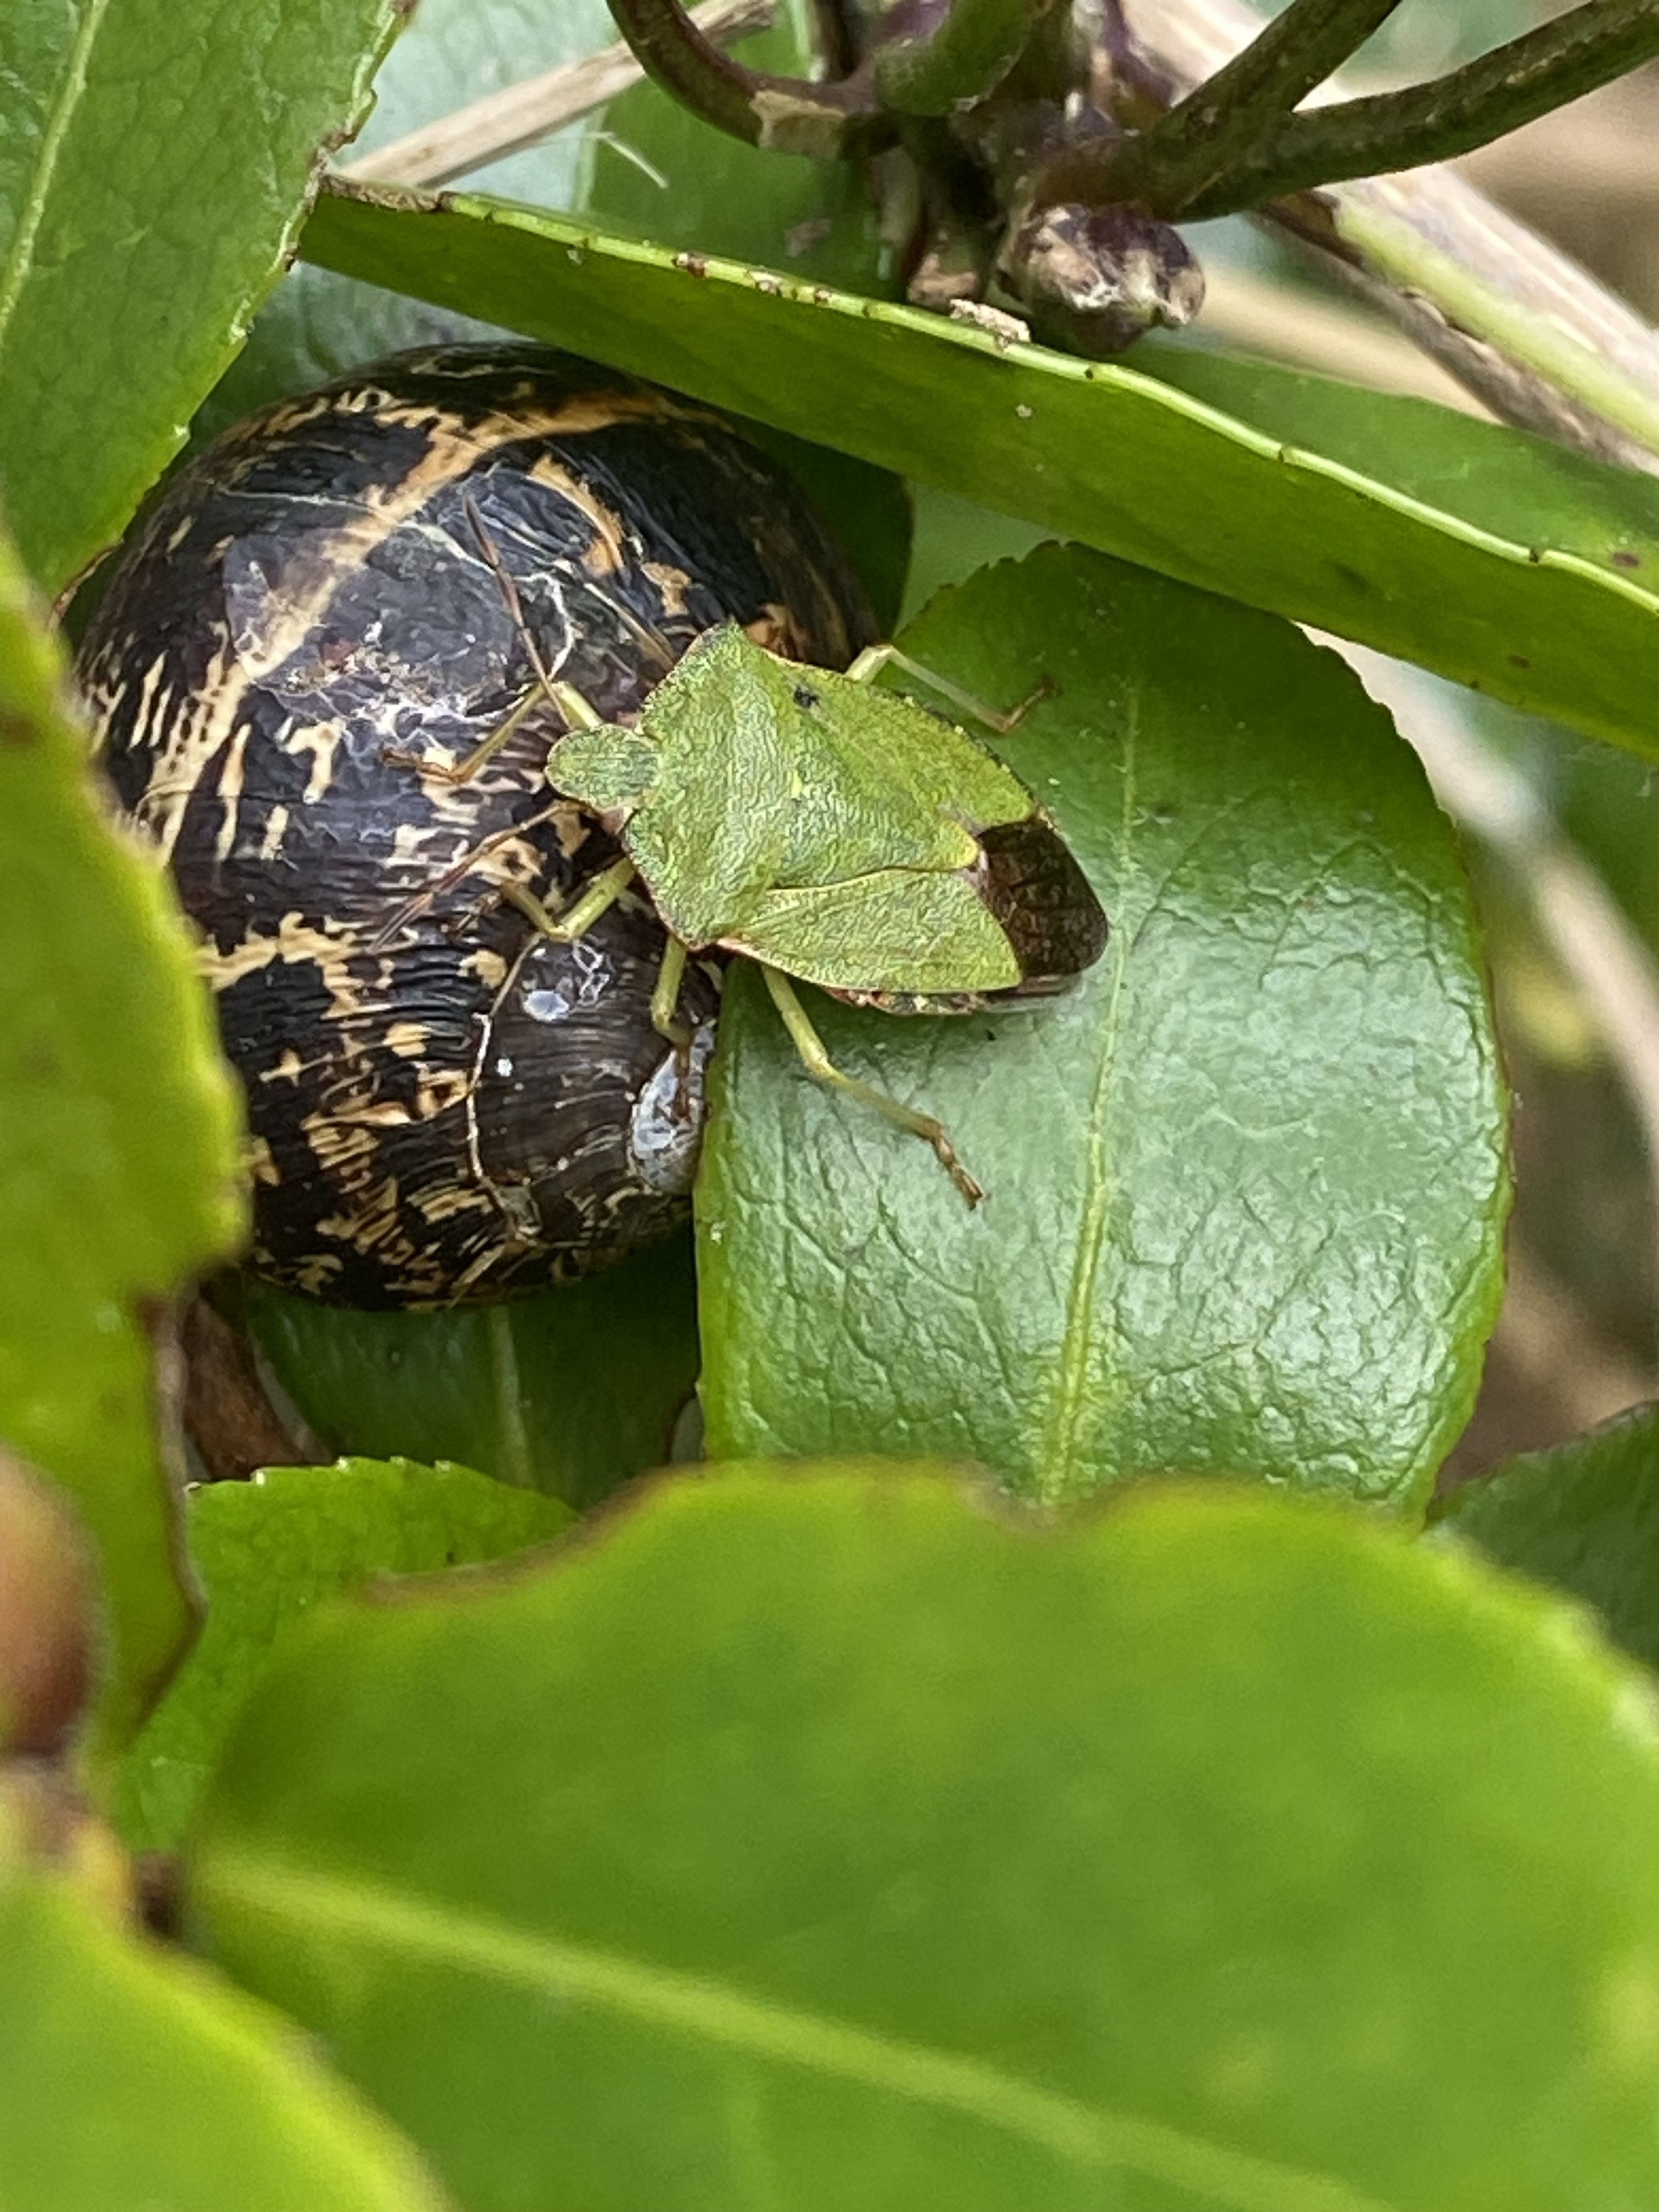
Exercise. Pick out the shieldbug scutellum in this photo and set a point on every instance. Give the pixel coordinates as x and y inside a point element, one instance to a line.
<point>830,831</point>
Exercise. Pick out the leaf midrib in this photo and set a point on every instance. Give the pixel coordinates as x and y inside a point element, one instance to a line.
<point>21,259</point>
<point>1054,1459</point>
<point>309,1905</point>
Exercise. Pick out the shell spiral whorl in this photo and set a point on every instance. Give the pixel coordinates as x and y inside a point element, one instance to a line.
<point>443,1103</point>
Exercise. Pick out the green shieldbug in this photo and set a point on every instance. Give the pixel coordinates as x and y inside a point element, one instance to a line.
<point>833,832</point>
<point>822,828</point>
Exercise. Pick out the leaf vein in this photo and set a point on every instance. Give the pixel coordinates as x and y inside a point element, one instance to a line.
<point>310,1905</point>
<point>21,259</point>
<point>1054,1459</point>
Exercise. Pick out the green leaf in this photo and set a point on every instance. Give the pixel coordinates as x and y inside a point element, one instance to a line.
<point>1521,489</point>
<point>830,1841</point>
<point>152,177</point>
<point>134,2080</point>
<point>952,538</point>
<point>266,1551</point>
<point>1246,1181</point>
<point>118,1153</point>
<point>1092,451</point>
<point>569,1393</point>
<point>1582,1515</point>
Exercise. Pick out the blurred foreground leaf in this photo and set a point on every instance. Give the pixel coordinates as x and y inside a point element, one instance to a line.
<point>266,1551</point>
<point>118,1152</point>
<point>1246,1181</point>
<point>825,1840</point>
<point>132,2080</point>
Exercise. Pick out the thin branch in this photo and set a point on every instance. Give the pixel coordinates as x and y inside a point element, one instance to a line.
<point>788,113</point>
<point>1301,327</point>
<point>1511,317</point>
<point>1218,129</point>
<point>1514,84</point>
<point>521,115</point>
<point>1497,305</point>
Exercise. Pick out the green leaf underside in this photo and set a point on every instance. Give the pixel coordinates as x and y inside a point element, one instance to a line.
<point>1246,1180</point>
<point>569,1393</point>
<point>149,195</point>
<point>820,825</point>
<point>1584,1516</point>
<point>119,1151</point>
<point>1121,460</point>
<point>132,2079</point>
<point>265,1554</point>
<point>885,1853</point>
<point>1521,489</point>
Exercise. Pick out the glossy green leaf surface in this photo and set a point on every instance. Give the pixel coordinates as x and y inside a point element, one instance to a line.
<point>119,1151</point>
<point>154,168</point>
<point>1584,1516</point>
<point>885,1854</point>
<point>265,1552</point>
<point>132,2079</point>
<point>1119,460</point>
<point>1246,1181</point>
<point>569,1393</point>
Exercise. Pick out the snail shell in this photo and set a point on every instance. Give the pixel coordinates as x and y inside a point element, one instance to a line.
<point>353,587</point>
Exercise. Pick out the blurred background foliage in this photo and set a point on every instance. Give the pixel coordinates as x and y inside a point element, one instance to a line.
<point>1561,834</point>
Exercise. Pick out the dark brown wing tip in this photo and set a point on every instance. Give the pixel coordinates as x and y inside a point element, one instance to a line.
<point>1041,900</point>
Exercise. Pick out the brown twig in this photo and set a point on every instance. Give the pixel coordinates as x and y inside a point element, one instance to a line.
<point>1220,150</point>
<point>1518,322</point>
<point>1219,130</point>
<point>790,114</point>
<point>1514,84</point>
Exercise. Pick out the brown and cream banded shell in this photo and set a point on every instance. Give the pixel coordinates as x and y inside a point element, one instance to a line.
<point>443,1103</point>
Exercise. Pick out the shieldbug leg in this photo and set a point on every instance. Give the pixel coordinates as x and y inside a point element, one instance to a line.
<point>810,1045</point>
<point>463,770</point>
<point>666,1020</point>
<point>414,907</point>
<point>875,658</point>
<point>578,714</point>
<point>665,998</point>
<point>602,894</point>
